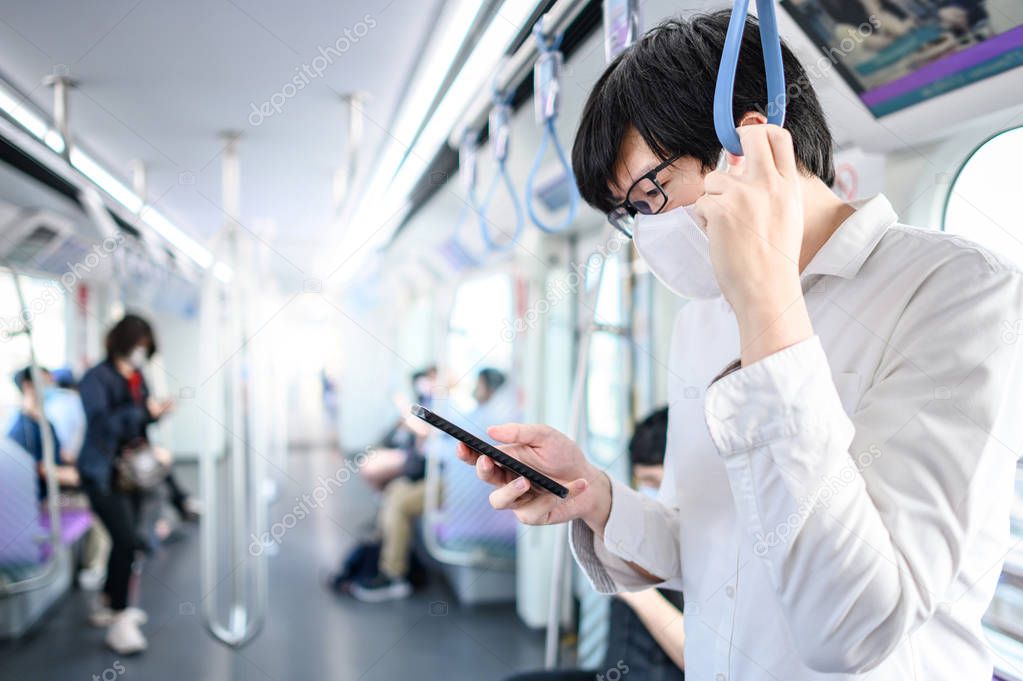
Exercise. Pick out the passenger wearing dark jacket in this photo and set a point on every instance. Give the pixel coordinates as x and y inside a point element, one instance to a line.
<point>118,410</point>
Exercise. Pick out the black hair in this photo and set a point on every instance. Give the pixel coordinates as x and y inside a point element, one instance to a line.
<point>650,439</point>
<point>127,333</point>
<point>663,86</point>
<point>23,377</point>
<point>424,372</point>
<point>492,378</point>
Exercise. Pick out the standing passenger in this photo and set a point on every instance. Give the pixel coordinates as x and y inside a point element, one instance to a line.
<point>118,410</point>
<point>844,423</point>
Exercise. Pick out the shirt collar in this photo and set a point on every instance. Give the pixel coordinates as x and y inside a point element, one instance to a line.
<point>852,243</point>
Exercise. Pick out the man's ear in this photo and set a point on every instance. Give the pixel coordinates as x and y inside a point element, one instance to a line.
<point>753,118</point>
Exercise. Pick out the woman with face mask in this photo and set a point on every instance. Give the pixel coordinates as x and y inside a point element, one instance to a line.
<point>844,398</point>
<point>118,410</point>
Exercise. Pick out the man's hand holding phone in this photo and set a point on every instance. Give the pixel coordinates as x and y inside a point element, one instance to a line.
<point>551,453</point>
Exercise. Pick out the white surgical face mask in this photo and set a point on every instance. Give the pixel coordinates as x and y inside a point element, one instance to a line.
<point>677,251</point>
<point>647,490</point>
<point>138,357</point>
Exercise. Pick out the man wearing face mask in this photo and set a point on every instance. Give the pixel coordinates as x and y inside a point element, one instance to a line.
<point>843,395</point>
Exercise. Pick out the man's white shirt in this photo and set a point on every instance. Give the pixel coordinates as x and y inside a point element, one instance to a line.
<point>841,506</point>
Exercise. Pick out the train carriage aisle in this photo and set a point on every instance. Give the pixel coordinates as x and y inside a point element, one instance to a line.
<point>511,340</point>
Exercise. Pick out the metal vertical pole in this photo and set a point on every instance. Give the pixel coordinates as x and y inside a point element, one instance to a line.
<point>349,168</point>
<point>140,181</point>
<point>231,198</point>
<point>576,418</point>
<point>61,114</point>
<point>246,505</point>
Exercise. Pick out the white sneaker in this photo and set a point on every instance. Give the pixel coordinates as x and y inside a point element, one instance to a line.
<point>91,579</point>
<point>104,616</point>
<point>381,588</point>
<point>124,636</point>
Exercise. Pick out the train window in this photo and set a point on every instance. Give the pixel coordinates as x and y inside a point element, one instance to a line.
<point>480,314</point>
<point>558,348</point>
<point>607,389</point>
<point>47,304</point>
<point>611,295</point>
<point>983,201</point>
<point>983,205</point>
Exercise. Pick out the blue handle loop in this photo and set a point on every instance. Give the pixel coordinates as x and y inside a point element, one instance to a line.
<point>551,137</point>
<point>770,43</point>
<point>546,90</point>
<point>500,119</point>
<point>454,242</point>
<point>467,166</point>
<point>472,206</point>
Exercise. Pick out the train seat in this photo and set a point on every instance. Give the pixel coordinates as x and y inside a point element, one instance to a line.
<point>32,576</point>
<point>474,544</point>
<point>74,523</point>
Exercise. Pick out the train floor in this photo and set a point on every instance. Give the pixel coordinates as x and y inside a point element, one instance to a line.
<point>309,634</point>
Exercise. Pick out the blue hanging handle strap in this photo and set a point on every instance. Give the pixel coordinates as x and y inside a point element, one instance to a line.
<point>467,172</point>
<point>500,124</point>
<point>770,42</point>
<point>546,93</point>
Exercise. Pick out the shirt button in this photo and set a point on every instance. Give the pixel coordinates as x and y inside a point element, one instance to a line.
<point>719,677</point>
<point>729,591</point>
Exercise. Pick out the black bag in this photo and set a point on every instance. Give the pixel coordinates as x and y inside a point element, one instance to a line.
<point>138,469</point>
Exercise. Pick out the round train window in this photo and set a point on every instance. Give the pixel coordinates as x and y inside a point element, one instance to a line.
<point>984,202</point>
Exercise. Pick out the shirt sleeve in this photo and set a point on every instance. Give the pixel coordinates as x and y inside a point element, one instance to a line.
<point>863,522</point>
<point>639,530</point>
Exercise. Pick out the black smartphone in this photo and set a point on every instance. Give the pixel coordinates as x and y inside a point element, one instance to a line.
<point>534,476</point>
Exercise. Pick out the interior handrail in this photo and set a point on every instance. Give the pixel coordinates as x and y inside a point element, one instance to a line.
<point>770,43</point>
<point>247,510</point>
<point>57,549</point>
<point>547,94</point>
<point>500,132</point>
<point>577,411</point>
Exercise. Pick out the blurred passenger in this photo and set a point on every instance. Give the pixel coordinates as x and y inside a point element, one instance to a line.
<point>27,432</point>
<point>403,503</point>
<point>400,451</point>
<point>64,409</point>
<point>119,409</point>
<point>646,638</point>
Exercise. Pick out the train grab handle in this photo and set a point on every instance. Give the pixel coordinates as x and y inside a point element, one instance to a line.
<point>547,93</point>
<point>500,130</point>
<point>770,43</point>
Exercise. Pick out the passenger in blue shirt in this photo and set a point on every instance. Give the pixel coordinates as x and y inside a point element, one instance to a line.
<point>26,431</point>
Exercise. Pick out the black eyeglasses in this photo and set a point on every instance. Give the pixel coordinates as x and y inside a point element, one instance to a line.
<point>646,196</point>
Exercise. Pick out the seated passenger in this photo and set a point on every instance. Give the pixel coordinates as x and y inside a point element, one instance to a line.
<point>26,432</point>
<point>67,418</point>
<point>399,452</point>
<point>646,636</point>
<point>65,412</point>
<point>403,503</point>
